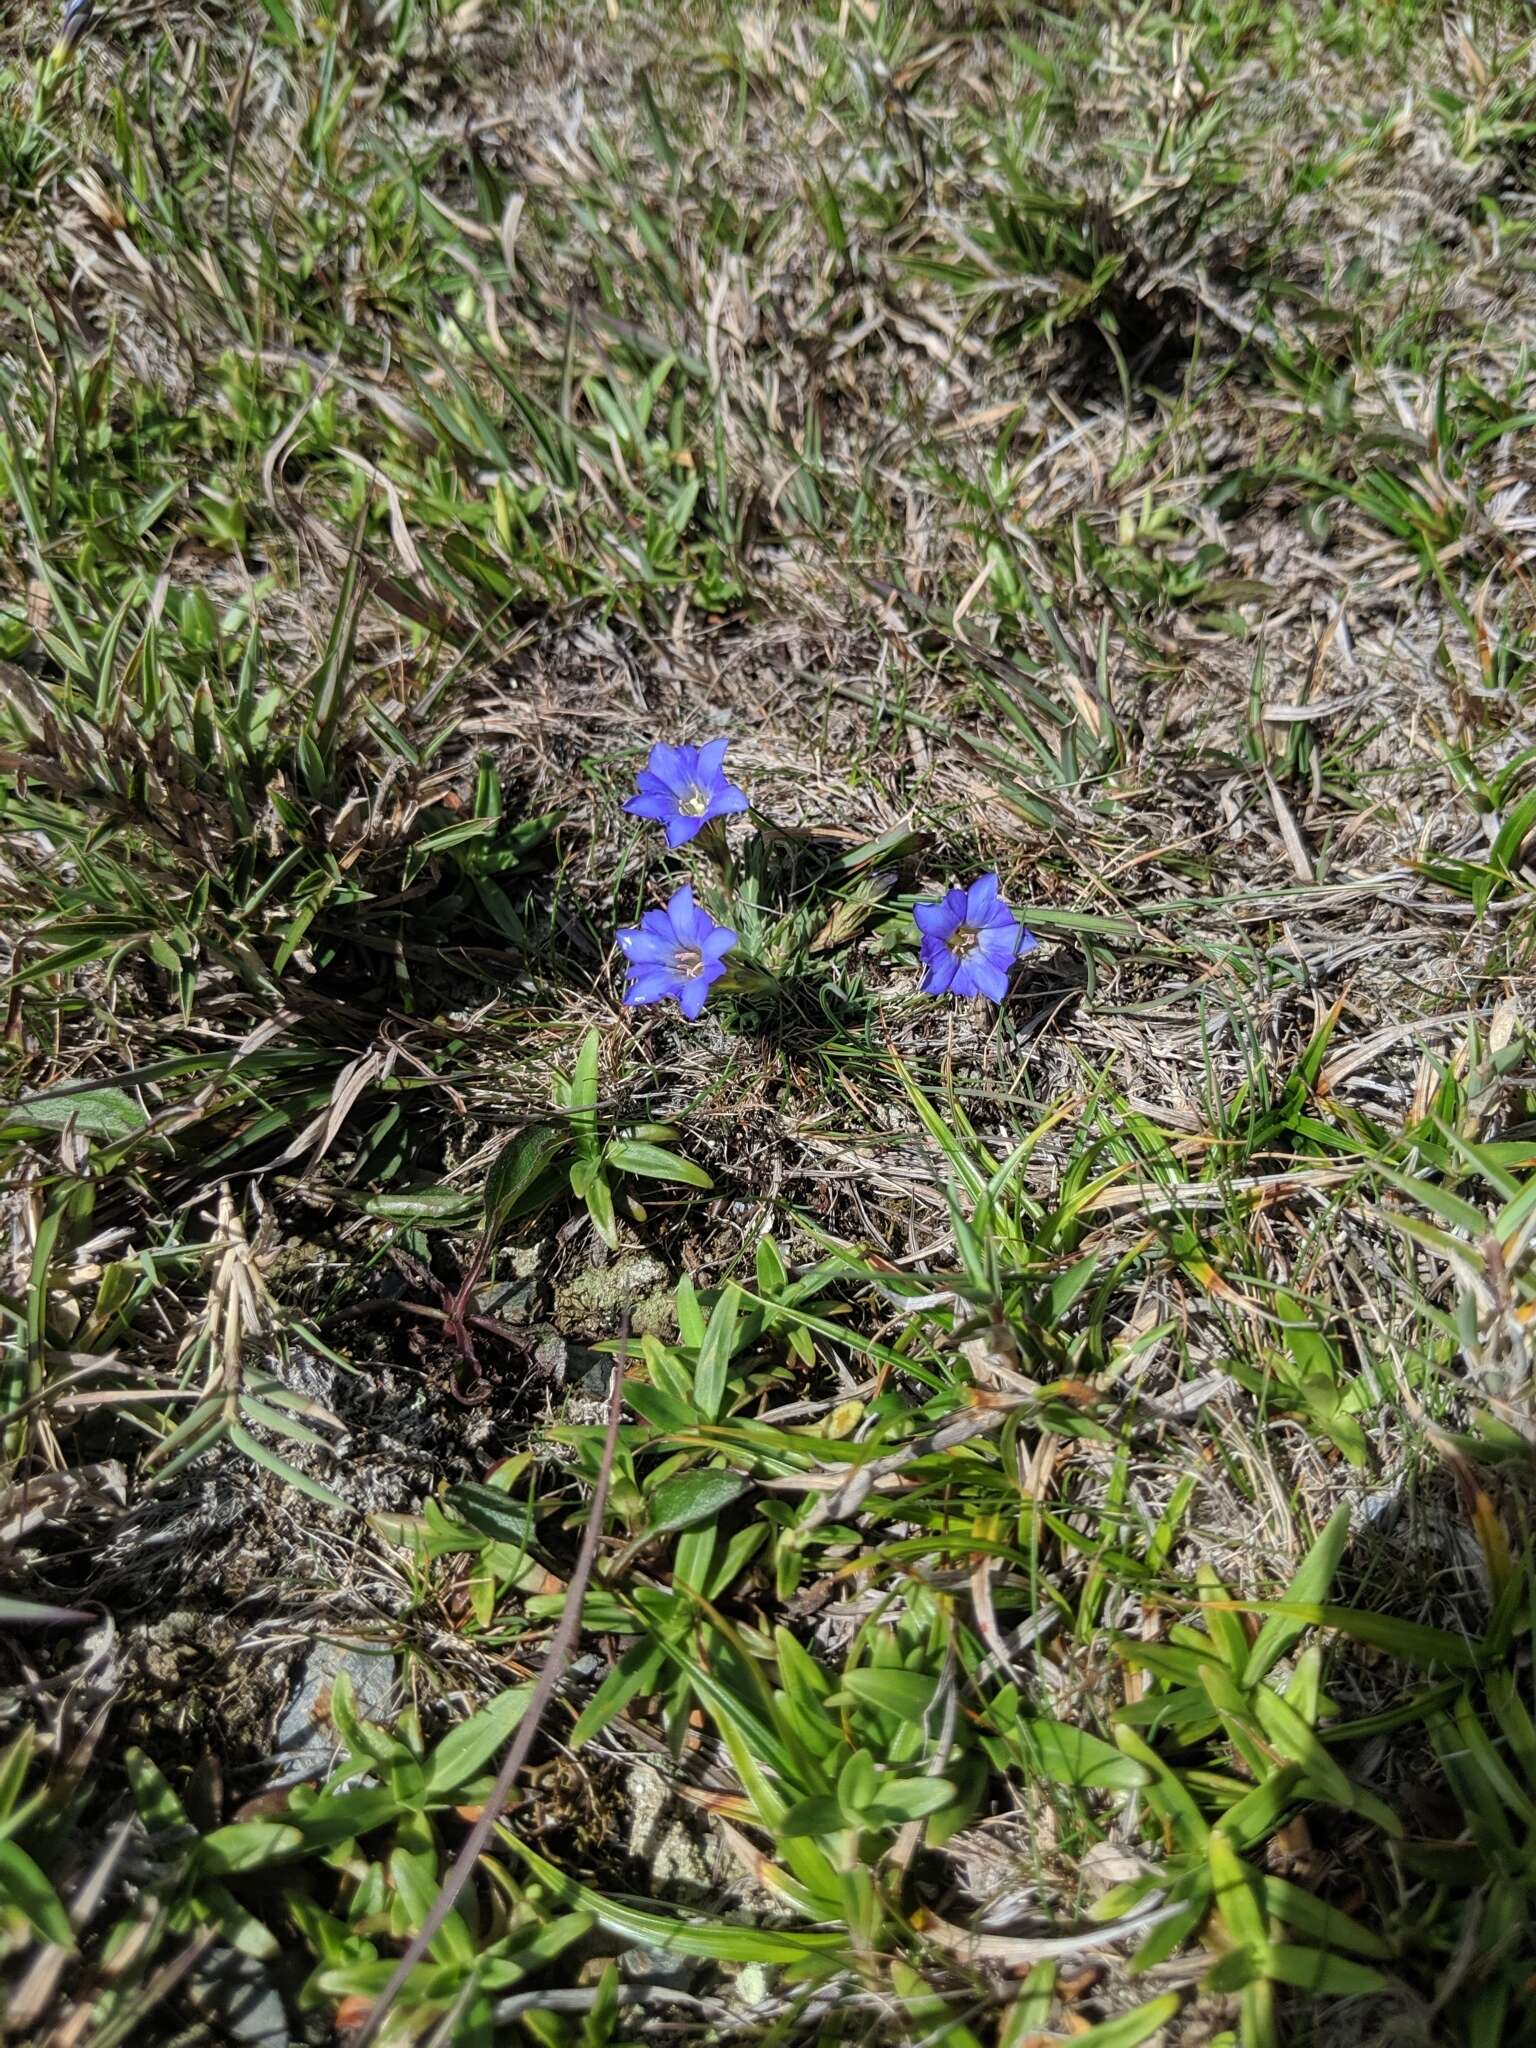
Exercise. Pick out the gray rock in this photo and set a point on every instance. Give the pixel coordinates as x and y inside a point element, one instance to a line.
<point>235,1993</point>
<point>307,1743</point>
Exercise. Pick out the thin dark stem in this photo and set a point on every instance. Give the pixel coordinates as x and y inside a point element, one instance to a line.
<point>555,1661</point>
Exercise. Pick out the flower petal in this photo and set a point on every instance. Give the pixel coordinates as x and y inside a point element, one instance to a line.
<point>681,829</point>
<point>649,985</point>
<point>652,804</point>
<point>999,943</point>
<point>672,766</point>
<point>933,918</point>
<point>692,996</point>
<point>725,800</point>
<point>714,945</point>
<point>708,760</point>
<point>985,978</point>
<point>940,974</point>
<point>639,944</point>
<point>683,915</point>
<point>659,925</point>
<point>1027,943</point>
<point>981,899</point>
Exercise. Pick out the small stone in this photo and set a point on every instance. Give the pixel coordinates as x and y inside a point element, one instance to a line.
<point>660,1838</point>
<point>236,1994</point>
<point>306,1743</point>
<point>591,1302</point>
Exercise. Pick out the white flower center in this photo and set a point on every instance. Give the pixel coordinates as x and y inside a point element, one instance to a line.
<point>962,940</point>
<point>688,962</point>
<point>694,801</point>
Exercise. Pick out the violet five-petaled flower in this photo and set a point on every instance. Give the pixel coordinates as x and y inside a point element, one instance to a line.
<point>970,940</point>
<point>683,788</point>
<point>679,951</point>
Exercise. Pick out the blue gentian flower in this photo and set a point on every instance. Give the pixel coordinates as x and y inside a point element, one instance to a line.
<point>77,19</point>
<point>683,788</point>
<point>970,940</point>
<point>679,951</point>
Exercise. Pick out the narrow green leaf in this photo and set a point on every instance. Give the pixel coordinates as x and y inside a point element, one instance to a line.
<point>713,1940</point>
<point>281,1469</point>
<point>1313,1578</point>
<point>37,1614</point>
<point>709,1378</point>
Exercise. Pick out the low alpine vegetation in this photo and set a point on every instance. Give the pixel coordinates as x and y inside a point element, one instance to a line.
<point>767,1125</point>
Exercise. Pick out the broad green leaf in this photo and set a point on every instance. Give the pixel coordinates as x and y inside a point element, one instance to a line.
<point>1303,1910</point>
<point>1166,1791</point>
<point>584,1079</point>
<point>490,1512</point>
<point>247,1845</point>
<point>598,1196</point>
<point>1071,1756</point>
<point>24,1886</point>
<point>1237,1892</point>
<point>105,1113</point>
<point>1295,1740</point>
<point>517,1168</point>
<point>241,1929</point>
<point>898,1800</point>
<point>1313,1969</point>
<point>1519,823</point>
<point>364,1739</point>
<point>469,1747</point>
<point>1130,2029</point>
<point>330,1818</point>
<point>820,1814</point>
<point>159,1808</point>
<point>654,1162</point>
<point>690,1317</point>
<point>637,1671</point>
<point>906,1694</point>
<point>693,1497</point>
<point>1254,1817</point>
<point>423,1206</point>
<point>1227,1635</point>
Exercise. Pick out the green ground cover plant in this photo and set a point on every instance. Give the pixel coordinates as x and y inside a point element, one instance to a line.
<point>966,1478</point>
